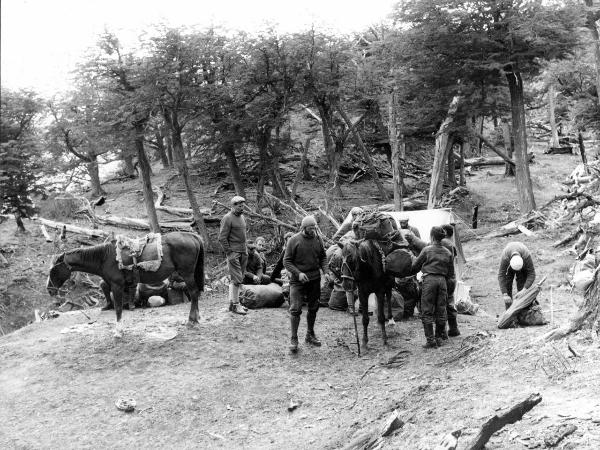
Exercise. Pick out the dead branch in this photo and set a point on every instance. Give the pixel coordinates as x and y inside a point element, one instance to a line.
<point>497,422</point>
<point>373,439</point>
<point>569,238</point>
<point>71,228</point>
<point>45,233</point>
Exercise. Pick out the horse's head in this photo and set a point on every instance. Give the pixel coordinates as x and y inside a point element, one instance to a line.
<point>350,265</point>
<point>59,273</point>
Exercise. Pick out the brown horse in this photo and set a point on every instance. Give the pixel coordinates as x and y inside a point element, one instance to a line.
<point>181,251</point>
<point>363,263</point>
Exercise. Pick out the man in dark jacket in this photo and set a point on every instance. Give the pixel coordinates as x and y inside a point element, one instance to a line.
<point>451,283</point>
<point>232,237</point>
<point>435,262</point>
<point>515,262</point>
<point>303,260</point>
<point>257,263</point>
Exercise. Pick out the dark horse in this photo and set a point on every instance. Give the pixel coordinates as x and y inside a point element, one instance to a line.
<point>182,252</point>
<point>363,263</point>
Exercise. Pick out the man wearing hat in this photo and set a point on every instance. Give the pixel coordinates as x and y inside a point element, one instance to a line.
<point>304,257</point>
<point>347,224</point>
<point>403,221</point>
<point>515,262</point>
<point>232,237</point>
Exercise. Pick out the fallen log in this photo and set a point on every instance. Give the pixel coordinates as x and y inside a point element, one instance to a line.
<point>497,422</point>
<point>569,238</point>
<point>72,228</point>
<point>514,227</point>
<point>490,161</point>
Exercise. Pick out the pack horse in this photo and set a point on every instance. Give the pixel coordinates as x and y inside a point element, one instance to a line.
<point>180,252</point>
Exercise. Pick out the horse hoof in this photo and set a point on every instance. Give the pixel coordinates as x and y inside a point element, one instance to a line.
<point>191,324</point>
<point>118,335</point>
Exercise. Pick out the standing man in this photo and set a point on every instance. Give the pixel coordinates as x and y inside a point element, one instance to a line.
<point>451,283</point>
<point>347,224</point>
<point>435,262</point>
<point>515,262</point>
<point>232,237</point>
<point>403,220</point>
<point>304,257</point>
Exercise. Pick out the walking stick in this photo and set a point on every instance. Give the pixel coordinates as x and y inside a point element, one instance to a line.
<point>350,298</point>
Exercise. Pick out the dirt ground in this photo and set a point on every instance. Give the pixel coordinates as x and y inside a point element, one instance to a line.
<point>229,382</point>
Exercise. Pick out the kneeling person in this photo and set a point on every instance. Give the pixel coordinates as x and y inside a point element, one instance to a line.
<point>304,257</point>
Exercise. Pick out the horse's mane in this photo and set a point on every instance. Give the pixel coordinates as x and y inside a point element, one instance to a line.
<point>369,254</point>
<point>91,254</point>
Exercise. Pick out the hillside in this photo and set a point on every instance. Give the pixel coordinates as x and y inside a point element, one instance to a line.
<point>228,383</point>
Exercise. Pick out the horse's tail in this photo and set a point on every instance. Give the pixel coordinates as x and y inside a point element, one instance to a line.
<point>199,269</point>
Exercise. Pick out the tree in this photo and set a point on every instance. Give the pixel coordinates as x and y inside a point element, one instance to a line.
<point>20,155</point>
<point>124,75</point>
<point>478,43</point>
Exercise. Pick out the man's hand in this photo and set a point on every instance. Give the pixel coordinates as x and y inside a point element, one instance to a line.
<point>507,300</point>
<point>302,277</point>
<point>256,279</point>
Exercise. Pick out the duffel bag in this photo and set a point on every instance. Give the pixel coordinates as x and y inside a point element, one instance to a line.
<point>261,296</point>
<point>398,263</point>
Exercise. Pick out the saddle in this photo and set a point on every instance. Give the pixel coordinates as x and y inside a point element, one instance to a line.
<point>144,253</point>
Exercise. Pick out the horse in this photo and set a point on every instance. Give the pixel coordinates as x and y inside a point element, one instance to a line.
<point>363,263</point>
<point>182,252</point>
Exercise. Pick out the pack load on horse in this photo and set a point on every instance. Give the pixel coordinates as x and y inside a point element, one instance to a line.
<point>149,260</point>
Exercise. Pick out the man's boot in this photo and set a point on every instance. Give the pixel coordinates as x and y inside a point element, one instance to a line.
<point>234,305</point>
<point>453,327</point>
<point>294,322</point>
<point>440,333</point>
<point>428,329</point>
<point>310,333</point>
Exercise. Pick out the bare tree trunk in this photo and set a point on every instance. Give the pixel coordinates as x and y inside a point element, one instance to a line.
<point>160,148</point>
<point>279,188</point>
<point>509,169</point>
<point>199,225</point>
<point>366,154</point>
<point>333,157</point>
<point>145,176</point>
<point>94,173</point>
<point>302,169</point>
<point>19,222</point>
<point>129,168</point>
<point>234,168</point>
<point>582,151</point>
<point>462,163</point>
<point>397,180</point>
<point>523,177</point>
<point>262,142</point>
<point>451,171</point>
<point>170,150</point>
<point>440,156</point>
<point>552,117</point>
<point>592,18</point>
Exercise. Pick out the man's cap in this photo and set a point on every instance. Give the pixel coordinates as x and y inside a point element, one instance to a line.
<point>516,262</point>
<point>438,233</point>
<point>308,221</point>
<point>402,218</point>
<point>237,199</point>
<point>356,211</point>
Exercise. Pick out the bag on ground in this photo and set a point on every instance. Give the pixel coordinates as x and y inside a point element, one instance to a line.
<point>261,296</point>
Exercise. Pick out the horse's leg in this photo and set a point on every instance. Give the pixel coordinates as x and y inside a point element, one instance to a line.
<point>194,295</point>
<point>364,305</point>
<point>117,290</point>
<point>388,298</point>
<point>381,313</point>
<point>106,291</point>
